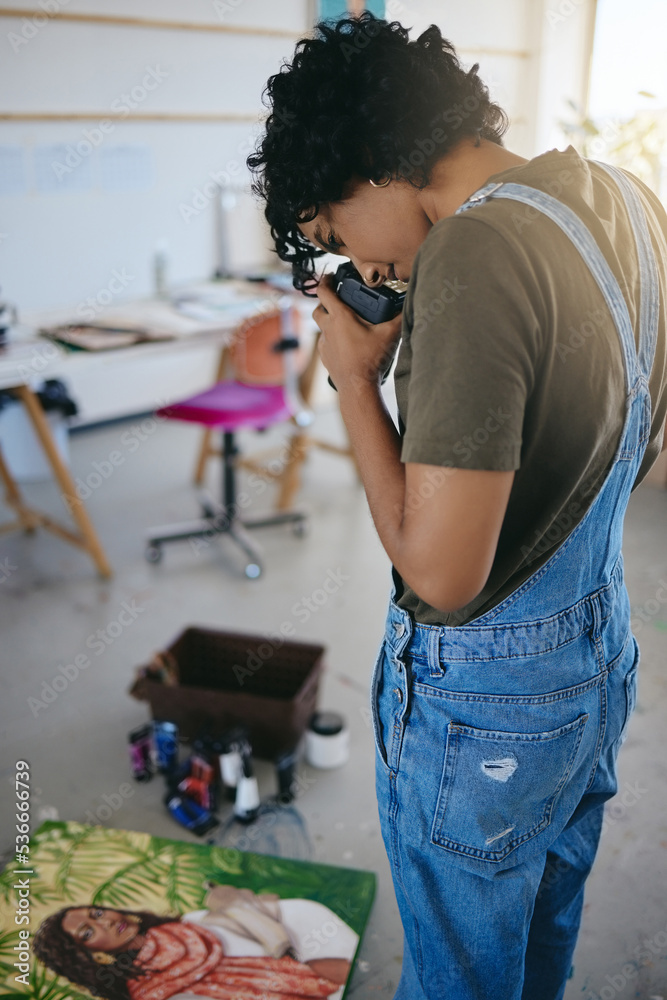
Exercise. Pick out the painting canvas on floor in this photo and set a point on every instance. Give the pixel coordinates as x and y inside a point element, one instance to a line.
<point>93,911</point>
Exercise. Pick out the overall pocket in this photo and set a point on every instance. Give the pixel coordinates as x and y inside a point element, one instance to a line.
<point>630,686</point>
<point>376,682</point>
<point>389,697</point>
<point>499,791</point>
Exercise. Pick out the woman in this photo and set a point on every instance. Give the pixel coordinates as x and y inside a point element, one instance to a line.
<point>123,955</point>
<point>532,396</point>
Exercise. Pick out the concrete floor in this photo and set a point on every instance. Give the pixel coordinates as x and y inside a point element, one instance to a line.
<point>51,602</point>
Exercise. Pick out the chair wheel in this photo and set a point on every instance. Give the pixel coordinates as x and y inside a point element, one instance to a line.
<point>153,553</point>
<point>253,571</point>
<point>300,529</point>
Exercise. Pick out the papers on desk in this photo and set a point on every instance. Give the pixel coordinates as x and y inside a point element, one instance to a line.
<point>100,338</point>
<point>212,306</point>
<point>199,310</point>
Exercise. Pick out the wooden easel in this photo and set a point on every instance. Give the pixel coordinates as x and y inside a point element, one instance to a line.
<point>28,519</point>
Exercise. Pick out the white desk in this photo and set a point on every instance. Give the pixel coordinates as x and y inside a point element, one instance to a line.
<point>116,383</point>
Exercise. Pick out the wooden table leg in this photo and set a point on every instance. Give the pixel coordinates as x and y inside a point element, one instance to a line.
<point>301,442</point>
<point>88,537</point>
<point>26,519</point>
<point>290,477</point>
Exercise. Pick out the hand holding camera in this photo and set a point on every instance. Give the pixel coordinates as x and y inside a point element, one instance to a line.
<point>373,305</point>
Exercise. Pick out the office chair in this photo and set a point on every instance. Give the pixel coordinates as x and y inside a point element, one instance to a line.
<point>288,474</point>
<point>263,392</point>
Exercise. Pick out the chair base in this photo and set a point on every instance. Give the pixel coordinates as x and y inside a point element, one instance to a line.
<point>222,519</point>
<point>215,523</point>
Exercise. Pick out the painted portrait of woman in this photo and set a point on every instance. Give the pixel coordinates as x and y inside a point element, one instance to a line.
<point>137,955</point>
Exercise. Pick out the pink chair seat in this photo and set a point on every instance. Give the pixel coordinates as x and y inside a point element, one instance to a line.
<point>228,405</point>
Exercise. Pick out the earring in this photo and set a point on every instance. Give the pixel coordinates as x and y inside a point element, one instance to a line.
<point>386,177</point>
<point>132,918</point>
<point>103,958</point>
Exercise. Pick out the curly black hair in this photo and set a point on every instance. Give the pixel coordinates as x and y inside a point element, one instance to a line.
<point>359,100</point>
<point>58,950</point>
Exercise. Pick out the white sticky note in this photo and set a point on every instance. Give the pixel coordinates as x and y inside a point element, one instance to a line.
<point>61,168</point>
<point>12,170</point>
<point>126,168</point>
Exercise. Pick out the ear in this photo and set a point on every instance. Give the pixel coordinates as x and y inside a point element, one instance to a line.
<point>103,958</point>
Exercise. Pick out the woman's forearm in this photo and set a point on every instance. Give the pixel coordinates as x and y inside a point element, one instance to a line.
<point>377,446</point>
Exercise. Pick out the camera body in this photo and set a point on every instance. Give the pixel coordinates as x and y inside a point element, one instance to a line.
<point>375,305</point>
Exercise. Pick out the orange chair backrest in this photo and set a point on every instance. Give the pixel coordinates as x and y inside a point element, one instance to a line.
<point>252,355</point>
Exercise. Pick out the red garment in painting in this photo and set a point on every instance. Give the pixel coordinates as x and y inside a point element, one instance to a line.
<point>183,957</point>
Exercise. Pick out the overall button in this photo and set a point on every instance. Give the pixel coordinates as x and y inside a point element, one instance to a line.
<point>399,628</point>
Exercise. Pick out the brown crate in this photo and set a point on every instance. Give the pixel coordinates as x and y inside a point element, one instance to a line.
<point>226,678</point>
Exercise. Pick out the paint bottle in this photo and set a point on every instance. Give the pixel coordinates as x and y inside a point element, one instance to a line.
<point>203,773</point>
<point>327,740</point>
<point>285,765</point>
<point>229,757</point>
<point>165,736</point>
<point>141,752</point>
<point>246,803</point>
<point>190,814</point>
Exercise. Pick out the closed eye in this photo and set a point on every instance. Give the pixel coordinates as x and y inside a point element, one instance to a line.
<point>331,243</point>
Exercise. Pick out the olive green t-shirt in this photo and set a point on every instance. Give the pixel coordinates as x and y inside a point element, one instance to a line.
<point>510,359</point>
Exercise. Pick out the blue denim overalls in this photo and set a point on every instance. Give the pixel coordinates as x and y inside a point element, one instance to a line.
<point>497,740</point>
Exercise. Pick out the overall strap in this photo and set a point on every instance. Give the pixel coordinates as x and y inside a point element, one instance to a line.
<point>593,257</point>
<point>648,269</point>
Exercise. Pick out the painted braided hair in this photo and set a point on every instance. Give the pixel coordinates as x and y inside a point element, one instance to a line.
<point>62,954</point>
<point>360,99</point>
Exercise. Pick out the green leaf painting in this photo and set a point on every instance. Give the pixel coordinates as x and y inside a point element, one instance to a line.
<point>93,866</point>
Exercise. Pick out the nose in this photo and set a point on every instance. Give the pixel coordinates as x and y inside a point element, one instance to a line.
<point>373,276</point>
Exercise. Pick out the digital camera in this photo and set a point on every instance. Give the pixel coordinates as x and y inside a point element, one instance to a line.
<point>375,305</point>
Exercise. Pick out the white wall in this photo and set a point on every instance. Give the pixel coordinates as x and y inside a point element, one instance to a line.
<point>563,42</point>
<point>532,54</point>
<point>493,34</point>
<point>60,246</point>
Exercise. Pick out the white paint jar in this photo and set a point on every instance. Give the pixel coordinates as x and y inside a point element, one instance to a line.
<point>327,740</point>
